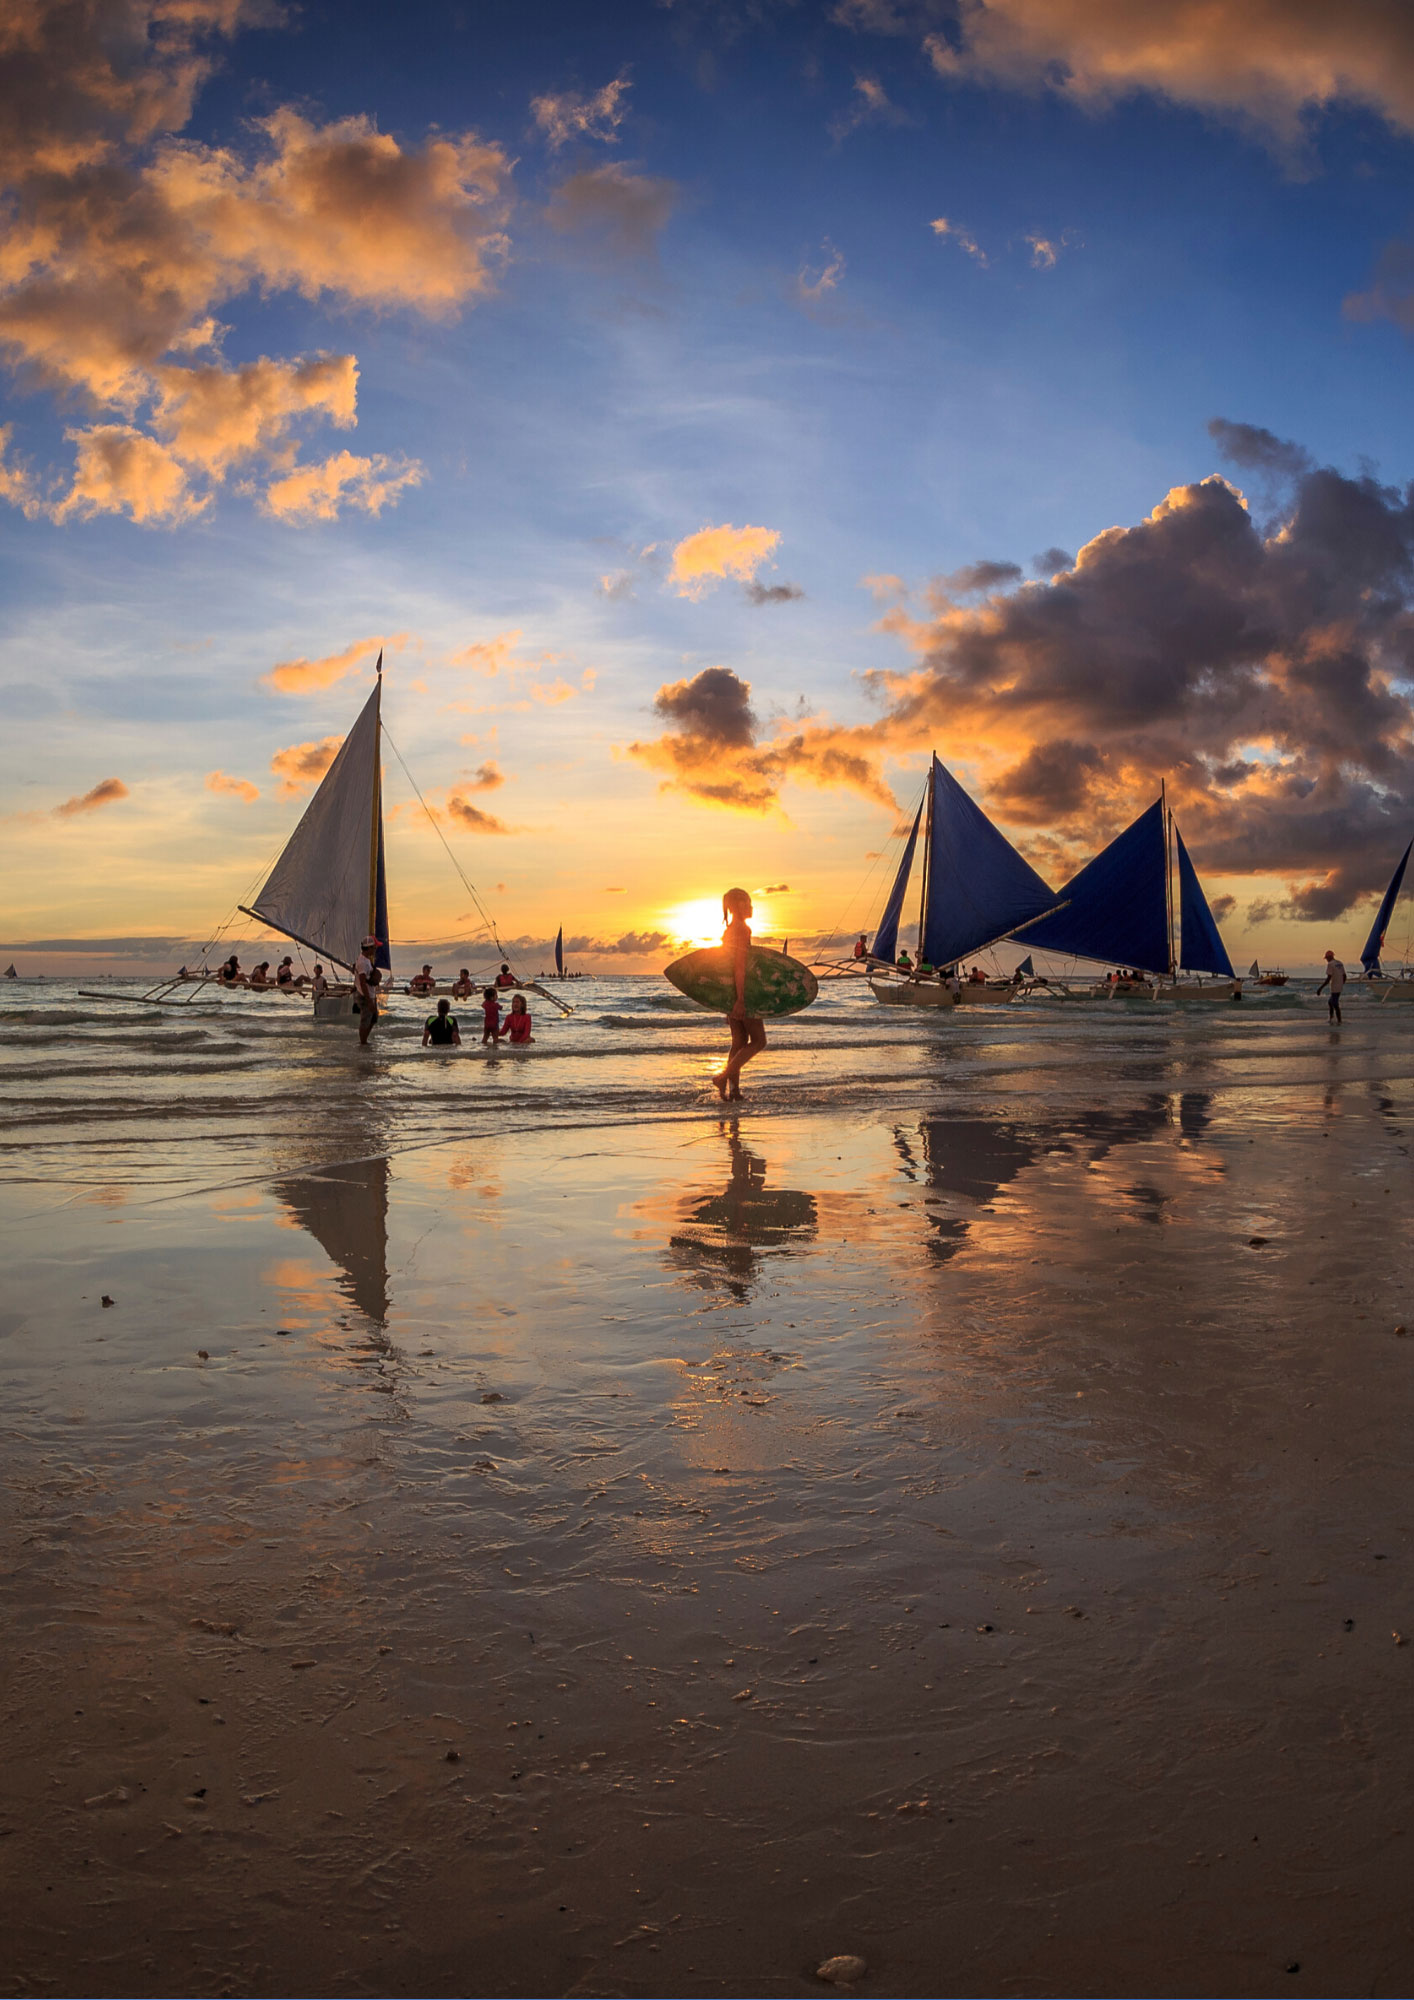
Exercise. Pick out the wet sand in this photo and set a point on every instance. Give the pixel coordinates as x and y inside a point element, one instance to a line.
<point>649,1561</point>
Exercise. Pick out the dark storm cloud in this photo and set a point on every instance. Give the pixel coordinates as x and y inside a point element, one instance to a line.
<point>981,576</point>
<point>1253,448</point>
<point>1266,676</point>
<point>773,593</point>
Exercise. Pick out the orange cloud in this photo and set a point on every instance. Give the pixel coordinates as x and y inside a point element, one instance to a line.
<point>302,676</point>
<point>569,117</point>
<point>489,778</point>
<point>304,764</point>
<point>119,470</point>
<point>106,792</point>
<point>1266,62</point>
<point>963,238</point>
<point>490,656</point>
<point>316,492</point>
<point>711,554</point>
<point>238,788</point>
<point>471,818</point>
<point>121,238</point>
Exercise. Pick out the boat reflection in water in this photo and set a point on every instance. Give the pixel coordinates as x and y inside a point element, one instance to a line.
<point>723,1239</point>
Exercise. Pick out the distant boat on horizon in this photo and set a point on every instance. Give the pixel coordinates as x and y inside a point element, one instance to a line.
<point>10,972</point>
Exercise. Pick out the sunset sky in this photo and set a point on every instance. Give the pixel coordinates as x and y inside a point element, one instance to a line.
<point>710,409</point>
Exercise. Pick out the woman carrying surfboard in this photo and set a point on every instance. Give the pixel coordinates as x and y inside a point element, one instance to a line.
<point>748,1030</point>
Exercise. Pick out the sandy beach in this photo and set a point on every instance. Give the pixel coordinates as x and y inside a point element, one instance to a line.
<point>965,1524</point>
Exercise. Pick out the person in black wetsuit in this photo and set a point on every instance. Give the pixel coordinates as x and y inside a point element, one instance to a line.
<point>440,1029</point>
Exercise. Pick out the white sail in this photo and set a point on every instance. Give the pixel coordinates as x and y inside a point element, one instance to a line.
<point>323,890</point>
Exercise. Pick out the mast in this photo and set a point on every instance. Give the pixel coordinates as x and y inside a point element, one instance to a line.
<point>927,856</point>
<point>375,829</point>
<point>1168,875</point>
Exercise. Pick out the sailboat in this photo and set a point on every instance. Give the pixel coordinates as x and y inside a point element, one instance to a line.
<point>976,890</point>
<point>1121,909</point>
<point>1400,987</point>
<point>1273,976</point>
<point>10,972</point>
<point>329,888</point>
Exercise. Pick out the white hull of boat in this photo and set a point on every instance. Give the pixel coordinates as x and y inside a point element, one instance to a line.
<point>1201,989</point>
<point>342,1008</point>
<point>1398,989</point>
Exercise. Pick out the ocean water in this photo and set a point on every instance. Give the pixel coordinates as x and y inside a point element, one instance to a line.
<point>233,1086</point>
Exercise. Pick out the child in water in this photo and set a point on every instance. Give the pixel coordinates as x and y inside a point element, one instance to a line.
<point>748,1031</point>
<point>490,1016</point>
<point>518,1026</point>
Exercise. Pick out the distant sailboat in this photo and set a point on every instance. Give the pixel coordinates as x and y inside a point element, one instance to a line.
<point>1402,986</point>
<point>10,972</point>
<point>976,890</point>
<point>1121,907</point>
<point>560,952</point>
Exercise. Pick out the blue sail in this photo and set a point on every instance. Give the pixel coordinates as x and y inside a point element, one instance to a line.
<point>383,956</point>
<point>1116,908</point>
<point>1200,946</point>
<point>885,945</point>
<point>1375,942</point>
<point>560,951</point>
<point>979,887</point>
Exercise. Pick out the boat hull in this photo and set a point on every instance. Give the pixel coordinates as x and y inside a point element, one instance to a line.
<point>342,1008</point>
<point>1194,989</point>
<point>912,993</point>
<point>1398,989</point>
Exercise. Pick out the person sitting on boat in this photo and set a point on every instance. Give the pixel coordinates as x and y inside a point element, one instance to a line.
<point>423,982</point>
<point>977,977</point>
<point>230,973</point>
<point>440,1029</point>
<point>462,988</point>
<point>518,1023</point>
<point>952,979</point>
<point>861,945</point>
<point>286,978</point>
<point>505,977</point>
<point>490,1017</point>
<point>260,978</point>
<point>903,961</point>
<point>923,970</point>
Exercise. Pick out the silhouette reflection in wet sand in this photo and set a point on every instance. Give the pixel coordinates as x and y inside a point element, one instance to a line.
<point>345,1210</point>
<point>970,1160</point>
<point>726,1237</point>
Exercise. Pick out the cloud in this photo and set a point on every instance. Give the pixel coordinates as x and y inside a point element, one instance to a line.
<point>1050,560</point>
<point>489,777</point>
<point>883,588</point>
<point>317,492</point>
<point>712,554</point>
<point>617,585</point>
<point>963,238</point>
<point>238,788</point>
<point>569,117</point>
<point>870,105</point>
<point>123,237</point>
<point>777,889</point>
<point>622,210</point>
<point>119,470</point>
<point>106,792</point>
<point>713,750</point>
<point>773,593</point>
<point>303,676</point>
<point>1222,907</point>
<point>492,656</point>
<point>1266,674</point>
<point>811,287</point>
<point>1267,63</point>
<point>1255,449</point>
<point>981,576</point>
<point>1391,292</point>
<point>304,764</point>
<point>471,818</point>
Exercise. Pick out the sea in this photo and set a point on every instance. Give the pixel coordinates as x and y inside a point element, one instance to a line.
<point>224,1087</point>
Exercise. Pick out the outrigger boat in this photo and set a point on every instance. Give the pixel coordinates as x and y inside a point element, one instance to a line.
<point>1400,985</point>
<point>1273,976</point>
<point>976,890</point>
<point>1126,908</point>
<point>329,890</point>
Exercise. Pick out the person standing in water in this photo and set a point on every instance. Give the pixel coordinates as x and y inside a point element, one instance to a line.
<point>365,986</point>
<point>1335,978</point>
<point>748,1030</point>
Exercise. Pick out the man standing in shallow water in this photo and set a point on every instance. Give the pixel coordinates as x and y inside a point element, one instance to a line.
<point>364,985</point>
<point>1335,979</point>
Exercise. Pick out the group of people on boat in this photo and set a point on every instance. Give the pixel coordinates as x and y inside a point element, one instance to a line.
<point>260,979</point>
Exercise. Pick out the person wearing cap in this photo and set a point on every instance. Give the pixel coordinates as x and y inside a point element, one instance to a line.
<point>423,982</point>
<point>1335,978</point>
<point>365,985</point>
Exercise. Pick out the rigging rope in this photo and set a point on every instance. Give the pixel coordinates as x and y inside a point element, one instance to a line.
<point>477,903</point>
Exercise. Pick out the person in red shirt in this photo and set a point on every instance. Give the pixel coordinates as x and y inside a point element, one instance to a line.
<point>490,1016</point>
<point>518,1026</point>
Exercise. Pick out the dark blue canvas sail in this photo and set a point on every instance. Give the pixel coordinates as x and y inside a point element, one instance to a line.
<point>979,888</point>
<point>560,951</point>
<point>1200,947</point>
<point>1116,908</point>
<point>1375,942</point>
<point>885,945</point>
<point>384,955</point>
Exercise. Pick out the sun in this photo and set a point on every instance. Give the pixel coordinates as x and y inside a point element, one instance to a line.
<point>700,922</point>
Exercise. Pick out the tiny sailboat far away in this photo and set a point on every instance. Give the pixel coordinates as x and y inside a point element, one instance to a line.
<point>976,889</point>
<point>1121,909</point>
<point>10,972</point>
<point>1398,986</point>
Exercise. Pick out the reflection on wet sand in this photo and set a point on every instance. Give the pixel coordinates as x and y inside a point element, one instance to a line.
<point>725,1238</point>
<point>345,1210</point>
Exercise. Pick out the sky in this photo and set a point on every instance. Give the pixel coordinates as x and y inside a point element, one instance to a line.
<point>710,410</point>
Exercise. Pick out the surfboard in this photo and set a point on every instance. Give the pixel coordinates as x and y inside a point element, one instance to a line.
<point>775,984</point>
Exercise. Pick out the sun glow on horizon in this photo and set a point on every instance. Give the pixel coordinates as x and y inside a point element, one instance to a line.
<point>700,922</point>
